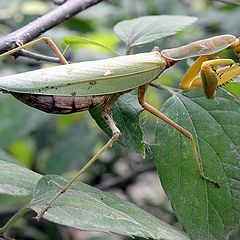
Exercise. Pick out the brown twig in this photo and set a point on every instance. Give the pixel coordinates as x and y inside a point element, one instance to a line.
<point>37,56</point>
<point>34,29</point>
<point>116,182</point>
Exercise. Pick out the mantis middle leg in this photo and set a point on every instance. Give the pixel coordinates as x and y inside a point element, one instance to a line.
<point>115,135</point>
<point>183,131</point>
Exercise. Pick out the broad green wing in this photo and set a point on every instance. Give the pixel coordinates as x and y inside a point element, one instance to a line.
<point>88,78</point>
<point>199,48</point>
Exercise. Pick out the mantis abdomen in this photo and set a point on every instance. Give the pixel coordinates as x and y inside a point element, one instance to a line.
<point>61,104</point>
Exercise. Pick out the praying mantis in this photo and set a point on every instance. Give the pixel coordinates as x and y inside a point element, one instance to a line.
<point>81,86</point>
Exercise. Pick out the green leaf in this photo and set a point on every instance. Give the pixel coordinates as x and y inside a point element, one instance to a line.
<point>205,211</point>
<point>9,202</point>
<point>83,206</point>
<point>125,112</point>
<point>76,40</point>
<point>72,150</point>
<point>17,120</point>
<point>148,29</point>
<point>234,87</point>
<point>88,208</point>
<point>16,180</point>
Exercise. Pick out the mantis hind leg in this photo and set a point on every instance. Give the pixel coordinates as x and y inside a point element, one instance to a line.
<point>47,40</point>
<point>115,135</point>
<point>183,131</point>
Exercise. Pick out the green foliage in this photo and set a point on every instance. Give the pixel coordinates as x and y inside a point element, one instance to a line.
<point>93,210</point>
<point>74,40</point>
<point>234,87</point>
<point>16,180</point>
<point>18,121</point>
<point>206,212</point>
<point>89,208</point>
<point>125,112</point>
<point>79,154</point>
<point>148,29</point>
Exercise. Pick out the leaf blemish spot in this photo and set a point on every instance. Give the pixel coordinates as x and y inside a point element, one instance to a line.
<point>92,82</point>
<point>107,73</point>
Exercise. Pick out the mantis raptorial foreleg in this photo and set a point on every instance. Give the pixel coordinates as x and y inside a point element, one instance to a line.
<point>210,76</point>
<point>115,135</point>
<point>192,72</point>
<point>155,112</point>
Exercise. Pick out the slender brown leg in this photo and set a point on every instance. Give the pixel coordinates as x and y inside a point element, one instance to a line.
<point>47,40</point>
<point>115,135</point>
<point>155,112</point>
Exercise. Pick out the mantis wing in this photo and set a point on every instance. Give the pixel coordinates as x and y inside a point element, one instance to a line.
<point>99,77</point>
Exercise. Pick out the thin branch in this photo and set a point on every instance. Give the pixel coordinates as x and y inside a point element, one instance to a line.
<point>34,29</point>
<point>116,182</point>
<point>170,90</point>
<point>37,56</point>
<point>230,2</point>
<point>12,220</point>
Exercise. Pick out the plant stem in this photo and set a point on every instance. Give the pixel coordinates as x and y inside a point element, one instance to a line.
<point>171,90</point>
